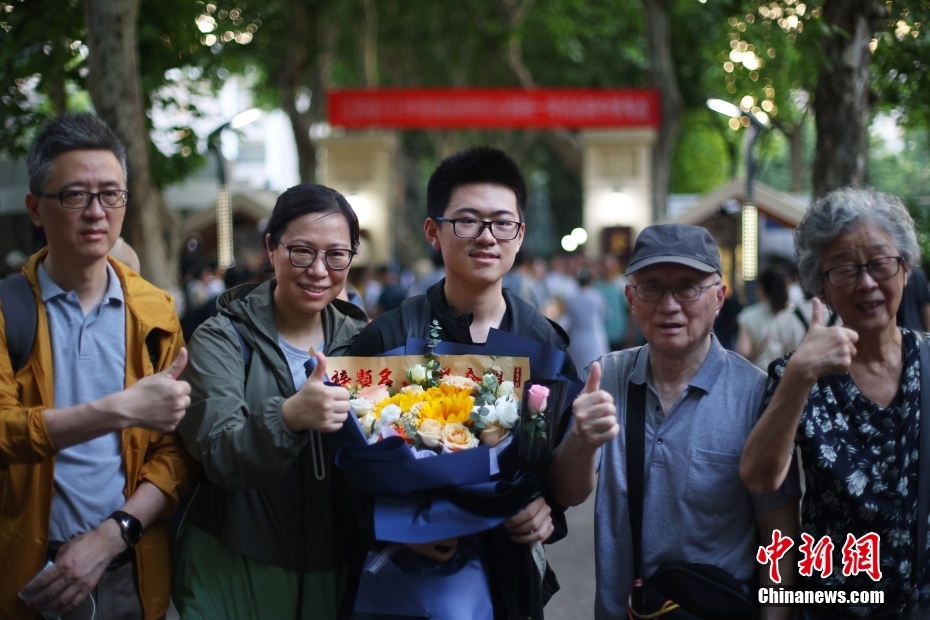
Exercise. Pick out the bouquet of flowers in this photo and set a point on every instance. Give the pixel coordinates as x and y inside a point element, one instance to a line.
<point>437,411</point>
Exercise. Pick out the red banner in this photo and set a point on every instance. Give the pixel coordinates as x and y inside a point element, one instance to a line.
<point>493,108</point>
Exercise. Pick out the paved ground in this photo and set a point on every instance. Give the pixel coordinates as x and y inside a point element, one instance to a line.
<point>573,562</point>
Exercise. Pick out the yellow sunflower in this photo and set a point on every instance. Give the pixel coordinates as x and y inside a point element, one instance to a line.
<point>447,404</point>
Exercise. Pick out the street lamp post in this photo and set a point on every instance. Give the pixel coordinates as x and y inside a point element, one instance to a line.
<point>750,214</point>
<point>224,222</point>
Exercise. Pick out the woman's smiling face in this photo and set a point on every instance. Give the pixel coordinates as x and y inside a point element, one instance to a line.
<point>310,289</point>
<point>868,304</point>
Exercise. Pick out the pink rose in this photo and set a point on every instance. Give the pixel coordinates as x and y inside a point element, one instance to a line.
<point>537,398</point>
<point>374,393</point>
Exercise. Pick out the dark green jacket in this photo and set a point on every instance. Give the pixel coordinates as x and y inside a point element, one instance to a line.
<point>261,493</point>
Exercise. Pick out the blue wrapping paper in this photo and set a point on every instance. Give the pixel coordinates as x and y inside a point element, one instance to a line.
<point>425,519</point>
<point>408,584</point>
<point>389,467</point>
<point>462,511</point>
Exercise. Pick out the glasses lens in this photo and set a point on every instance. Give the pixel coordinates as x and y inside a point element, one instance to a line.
<point>883,268</point>
<point>844,276</point>
<point>505,230</point>
<point>338,259</point>
<point>467,227</point>
<point>301,256</point>
<point>687,292</point>
<point>112,199</point>
<point>650,291</point>
<point>73,199</point>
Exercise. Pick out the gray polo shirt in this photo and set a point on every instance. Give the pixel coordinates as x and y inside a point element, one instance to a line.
<point>695,507</point>
<point>89,360</point>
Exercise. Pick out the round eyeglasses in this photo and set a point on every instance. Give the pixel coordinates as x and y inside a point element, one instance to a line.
<point>879,269</point>
<point>302,256</point>
<point>470,228</point>
<point>79,199</point>
<point>653,291</point>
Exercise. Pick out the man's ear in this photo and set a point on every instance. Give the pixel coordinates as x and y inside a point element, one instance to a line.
<point>431,230</point>
<point>32,208</point>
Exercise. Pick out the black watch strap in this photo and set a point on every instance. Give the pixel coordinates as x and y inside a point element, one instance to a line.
<point>130,527</point>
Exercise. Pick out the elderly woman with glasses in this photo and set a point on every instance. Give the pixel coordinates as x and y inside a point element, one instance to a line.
<point>263,537</point>
<point>849,398</point>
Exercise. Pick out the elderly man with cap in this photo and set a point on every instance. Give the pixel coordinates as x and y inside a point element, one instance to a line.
<point>693,405</point>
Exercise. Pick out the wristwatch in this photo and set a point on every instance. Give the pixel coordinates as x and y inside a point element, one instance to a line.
<point>129,526</point>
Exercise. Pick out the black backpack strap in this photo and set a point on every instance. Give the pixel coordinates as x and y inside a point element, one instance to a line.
<point>18,305</point>
<point>635,467</point>
<point>800,315</point>
<point>414,316</point>
<point>923,459</point>
<point>151,343</point>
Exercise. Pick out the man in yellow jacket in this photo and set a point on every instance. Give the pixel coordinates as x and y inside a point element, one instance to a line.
<point>89,466</point>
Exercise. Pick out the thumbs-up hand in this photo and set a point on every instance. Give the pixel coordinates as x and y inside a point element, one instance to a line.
<point>316,406</point>
<point>157,402</point>
<point>595,412</point>
<point>824,350</point>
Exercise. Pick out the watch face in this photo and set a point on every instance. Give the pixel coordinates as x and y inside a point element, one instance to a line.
<point>133,529</point>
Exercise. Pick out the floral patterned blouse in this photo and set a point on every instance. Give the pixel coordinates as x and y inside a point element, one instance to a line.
<point>860,469</point>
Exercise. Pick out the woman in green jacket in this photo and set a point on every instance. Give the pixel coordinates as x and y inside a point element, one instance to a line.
<point>263,537</point>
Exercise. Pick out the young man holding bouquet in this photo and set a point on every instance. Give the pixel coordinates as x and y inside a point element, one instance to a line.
<point>475,218</point>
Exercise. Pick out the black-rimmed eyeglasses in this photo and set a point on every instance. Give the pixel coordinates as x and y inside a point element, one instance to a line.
<point>79,199</point>
<point>653,291</point>
<point>470,228</point>
<point>302,256</point>
<point>879,269</point>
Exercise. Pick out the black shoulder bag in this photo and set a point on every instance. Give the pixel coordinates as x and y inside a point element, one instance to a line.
<point>677,590</point>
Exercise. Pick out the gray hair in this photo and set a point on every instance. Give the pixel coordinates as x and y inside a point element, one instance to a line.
<point>842,211</point>
<point>70,132</point>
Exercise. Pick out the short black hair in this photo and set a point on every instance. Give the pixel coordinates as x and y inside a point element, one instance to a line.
<point>478,164</point>
<point>303,199</point>
<point>80,131</point>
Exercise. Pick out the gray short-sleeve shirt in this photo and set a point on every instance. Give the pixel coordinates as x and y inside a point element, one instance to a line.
<point>696,508</point>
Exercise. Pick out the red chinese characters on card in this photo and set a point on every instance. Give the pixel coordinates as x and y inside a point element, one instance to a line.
<point>341,377</point>
<point>363,377</point>
<point>385,375</point>
<point>860,555</point>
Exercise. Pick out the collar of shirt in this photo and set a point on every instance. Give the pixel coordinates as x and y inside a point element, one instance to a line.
<point>51,290</point>
<point>704,379</point>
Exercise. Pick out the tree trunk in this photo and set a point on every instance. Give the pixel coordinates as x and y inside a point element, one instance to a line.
<point>301,36</point>
<point>796,141</point>
<point>662,70</point>
<point>115,86</point>
<point>841,100</point>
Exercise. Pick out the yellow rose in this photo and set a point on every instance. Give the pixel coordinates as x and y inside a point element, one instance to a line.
<point>457,437</point>
<point>430,432</point>
<point>493,434</point>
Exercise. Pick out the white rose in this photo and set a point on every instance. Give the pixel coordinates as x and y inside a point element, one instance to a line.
<point>412,389</point>
<point>390,414</point>
<point>491,417</point>
<point>507,413</point>
<point>505,389</point>
<point>417,374</point>
<point>361,406</point>
<point>367,421</point>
